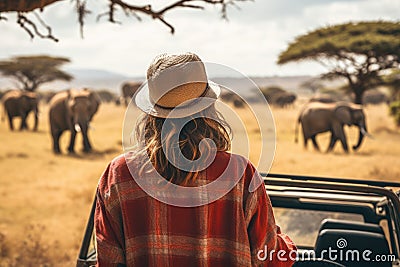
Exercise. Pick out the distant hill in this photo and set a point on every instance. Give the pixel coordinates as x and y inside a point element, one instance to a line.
<point>289,83</point>
<point>92,78</point>
<point>99,79</point>
<point>102,79</point>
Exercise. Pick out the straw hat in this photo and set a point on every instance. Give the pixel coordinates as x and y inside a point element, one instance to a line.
<point>176,87</point>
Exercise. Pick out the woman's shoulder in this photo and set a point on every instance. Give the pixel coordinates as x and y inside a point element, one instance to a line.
<point>118,170</point>
<point>226,163</point>
<point>118,160</point>
<point>129,159</point>
<point>126,165</point>
<point>238,165</point>
<point>225,156</point>
<point>118,163</point>
<point>132,160</point>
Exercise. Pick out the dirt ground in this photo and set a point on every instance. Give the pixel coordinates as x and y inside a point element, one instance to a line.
<point>46,198</point>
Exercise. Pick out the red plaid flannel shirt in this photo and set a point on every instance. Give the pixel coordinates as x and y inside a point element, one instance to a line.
<point>134,229</point>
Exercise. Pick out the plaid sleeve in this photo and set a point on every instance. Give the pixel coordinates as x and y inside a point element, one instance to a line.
<point>108,224</point>
<point>264,234</point>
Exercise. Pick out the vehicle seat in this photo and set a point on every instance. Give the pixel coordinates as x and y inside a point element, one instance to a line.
<point>349,243</point>
<point>349,225</point>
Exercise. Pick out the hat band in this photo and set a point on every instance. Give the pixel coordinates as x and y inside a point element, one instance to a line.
<point>193,101</point>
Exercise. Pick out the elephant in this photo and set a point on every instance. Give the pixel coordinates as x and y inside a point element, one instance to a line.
<point>106,96</point>
<point>128,90</point>
<point>233,98</point>
<point>374,97</point>
<point>72,111</point>
<point>316,118</point>
<point>18,103</point>
<point>118,100</point>
<point>284,99</point>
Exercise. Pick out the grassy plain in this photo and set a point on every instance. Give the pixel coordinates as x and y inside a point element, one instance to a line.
<point>45,199</point>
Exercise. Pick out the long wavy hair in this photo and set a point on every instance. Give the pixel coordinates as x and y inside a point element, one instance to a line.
<point>209,124</point>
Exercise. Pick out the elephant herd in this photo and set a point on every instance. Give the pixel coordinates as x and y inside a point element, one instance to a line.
<point>73,111</point>
<point>68,111</point>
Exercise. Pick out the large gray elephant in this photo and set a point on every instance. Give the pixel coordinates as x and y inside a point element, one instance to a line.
<point>128,90</point>
<point>72,111</point>
<point>316,118</point>
<point>19,103</point>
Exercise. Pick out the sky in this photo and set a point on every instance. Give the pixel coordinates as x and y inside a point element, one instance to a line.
<point>250,41</point>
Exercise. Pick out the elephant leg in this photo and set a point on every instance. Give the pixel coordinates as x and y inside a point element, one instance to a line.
<point>87,147</point>
<point>314,141</point>
<point>338,131</point>
<point>56,141</point>
<point>21,126</point>
<point>305,137</point>
<point>10,121</point>
<point>305,142</point>
<point>72,142</point>
<point>342,139</point>
<point>35,127</point>
<point>332,142</point>
<point>344,145</point>
<point>23,122</point>
<point>89,144</point>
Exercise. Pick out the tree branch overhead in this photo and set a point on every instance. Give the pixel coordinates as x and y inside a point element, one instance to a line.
<point>24,7</point>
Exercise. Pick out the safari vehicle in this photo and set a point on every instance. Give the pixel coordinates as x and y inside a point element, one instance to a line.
<point>333,221</point>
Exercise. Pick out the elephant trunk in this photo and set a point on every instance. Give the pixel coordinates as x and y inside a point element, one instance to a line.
<point>85,138</point>
<point>80,123</point>
<point>36,113</point>
<point>296,131</point>
<point>81,127</point>
<point>362,133</point>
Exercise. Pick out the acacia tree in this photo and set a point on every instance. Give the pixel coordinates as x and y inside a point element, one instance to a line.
<point>359,52</point>
<point>23,7</point>
<point>33,71</point>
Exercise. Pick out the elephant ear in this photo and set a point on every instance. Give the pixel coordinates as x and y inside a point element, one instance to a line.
<point>343,114</point>
<point>94,103</point>
<point>94,97</point>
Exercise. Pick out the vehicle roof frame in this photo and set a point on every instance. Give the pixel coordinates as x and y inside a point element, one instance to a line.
<point>351,185</point>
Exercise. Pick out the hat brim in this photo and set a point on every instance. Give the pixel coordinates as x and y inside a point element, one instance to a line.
<point>142,101</point>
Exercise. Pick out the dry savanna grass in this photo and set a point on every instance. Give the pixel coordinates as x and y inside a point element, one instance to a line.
<point>46,198</point>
